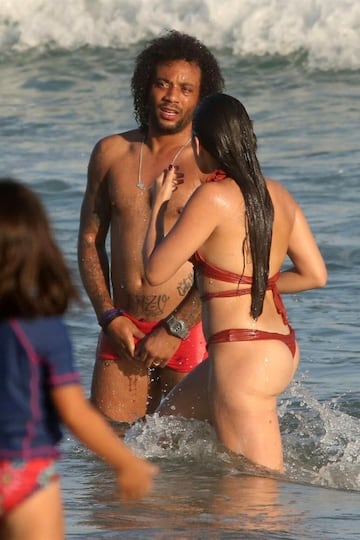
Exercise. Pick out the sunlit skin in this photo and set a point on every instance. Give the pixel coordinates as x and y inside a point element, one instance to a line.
<point>40,515</point>
<point>39,385</point>
<point>237,388</point>
<point>120,389</point>
<point>173,97</point>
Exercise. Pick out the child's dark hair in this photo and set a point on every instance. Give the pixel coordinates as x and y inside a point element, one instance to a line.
<point>171,46</point>
<point>225,130</point>
<point>34,278</point>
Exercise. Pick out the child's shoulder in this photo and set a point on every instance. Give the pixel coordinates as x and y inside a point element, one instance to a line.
<point>44,331</point>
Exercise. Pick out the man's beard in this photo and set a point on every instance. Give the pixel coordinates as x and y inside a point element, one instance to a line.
<point>172,129</point>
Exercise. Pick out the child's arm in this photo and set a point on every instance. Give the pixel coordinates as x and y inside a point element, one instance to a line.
<point>134,475</point>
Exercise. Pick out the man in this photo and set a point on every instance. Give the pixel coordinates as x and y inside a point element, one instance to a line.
<point>151,336</point>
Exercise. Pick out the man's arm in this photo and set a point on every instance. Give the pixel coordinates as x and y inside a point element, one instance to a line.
<point>188,311</point>
<point>160,345</point>
<point>92,256</point>
<point>94,226</point>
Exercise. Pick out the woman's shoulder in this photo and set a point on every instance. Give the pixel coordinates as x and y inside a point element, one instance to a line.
<point>279,193</point>
<point>218,195</point>
<point>275,185</point>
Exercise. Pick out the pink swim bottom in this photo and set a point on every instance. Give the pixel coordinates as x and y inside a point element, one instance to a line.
<point>190,353</point>
<point>20,479</point>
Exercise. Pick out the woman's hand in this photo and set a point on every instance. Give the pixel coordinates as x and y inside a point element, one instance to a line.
<point>163,187</point>
<point>166,183</point>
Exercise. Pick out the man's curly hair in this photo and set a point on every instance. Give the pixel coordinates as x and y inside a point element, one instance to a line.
<point>172,46</point>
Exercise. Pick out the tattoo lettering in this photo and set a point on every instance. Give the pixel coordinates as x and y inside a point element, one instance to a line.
<point>152,306</point>
<point>185,285</point>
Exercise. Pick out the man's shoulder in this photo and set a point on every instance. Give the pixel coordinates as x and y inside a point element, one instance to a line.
<point>120,139</point>
<point>116,143</point>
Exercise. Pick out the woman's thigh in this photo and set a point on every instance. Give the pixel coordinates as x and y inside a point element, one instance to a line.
<point>246,379</point>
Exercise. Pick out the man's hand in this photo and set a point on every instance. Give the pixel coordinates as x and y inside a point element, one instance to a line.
<point>122,332</point>
<point>157,348</point>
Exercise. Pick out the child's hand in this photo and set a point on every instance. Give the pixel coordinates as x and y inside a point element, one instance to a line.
<point>136,478</point>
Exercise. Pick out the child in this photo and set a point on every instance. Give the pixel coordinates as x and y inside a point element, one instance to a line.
<point>39,386</point>
<point>237,229</point>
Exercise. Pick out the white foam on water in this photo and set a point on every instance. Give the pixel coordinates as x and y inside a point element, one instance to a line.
<point>325,31</point>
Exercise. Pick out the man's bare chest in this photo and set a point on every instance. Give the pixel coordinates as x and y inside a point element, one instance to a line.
<point>127,196</point>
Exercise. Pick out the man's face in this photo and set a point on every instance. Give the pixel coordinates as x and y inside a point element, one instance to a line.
<point>174,95</point>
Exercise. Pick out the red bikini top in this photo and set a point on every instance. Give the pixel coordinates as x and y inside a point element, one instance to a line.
<point>210,270</point>
<point>216,176</point>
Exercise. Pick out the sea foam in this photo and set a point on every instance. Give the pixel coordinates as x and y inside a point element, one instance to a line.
<point>326,32</point>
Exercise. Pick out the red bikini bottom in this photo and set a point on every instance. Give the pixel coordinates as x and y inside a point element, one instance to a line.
<point>190,353</point>
<point>20,479</point>
<point>240,334</point>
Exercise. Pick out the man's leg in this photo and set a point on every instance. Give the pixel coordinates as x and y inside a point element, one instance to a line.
<point>189,398</point>
<point>119,389</point>
<point>188,356</point>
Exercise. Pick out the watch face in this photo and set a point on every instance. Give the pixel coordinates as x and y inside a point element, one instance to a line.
<point>177,328</point>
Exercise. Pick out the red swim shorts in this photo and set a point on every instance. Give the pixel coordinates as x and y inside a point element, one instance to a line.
<point>20,479</point>
<point>190,353</point>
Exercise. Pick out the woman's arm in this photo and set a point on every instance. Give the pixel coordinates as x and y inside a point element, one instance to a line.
<point>309,270</point>
<point>164,255</point>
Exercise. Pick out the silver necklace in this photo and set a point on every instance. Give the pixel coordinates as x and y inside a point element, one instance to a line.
<point>140,184</point>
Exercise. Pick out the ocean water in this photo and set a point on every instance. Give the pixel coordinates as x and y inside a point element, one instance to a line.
<point>65,75</point>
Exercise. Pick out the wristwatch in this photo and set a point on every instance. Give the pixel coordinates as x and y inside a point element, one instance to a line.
<point>176,327</point>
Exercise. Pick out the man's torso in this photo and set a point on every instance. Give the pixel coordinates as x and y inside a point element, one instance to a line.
<point>129,220</point>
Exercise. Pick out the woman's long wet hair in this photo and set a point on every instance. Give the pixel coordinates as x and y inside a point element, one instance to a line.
<point>225,130</point>
<point>34,278</point>
<point>172,46</point>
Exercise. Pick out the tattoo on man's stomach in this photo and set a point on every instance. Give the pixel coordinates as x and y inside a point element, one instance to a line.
<point>152,306</point>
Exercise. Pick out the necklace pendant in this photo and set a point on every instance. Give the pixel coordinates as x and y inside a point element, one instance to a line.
<point>141,185</point>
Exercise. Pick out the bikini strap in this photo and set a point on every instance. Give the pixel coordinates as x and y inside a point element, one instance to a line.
<point>279,304</point>
<point>216,176</point>
<point>271,286</point>
<point>212,271</point>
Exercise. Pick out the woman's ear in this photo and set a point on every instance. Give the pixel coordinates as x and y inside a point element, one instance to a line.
<point>205,161</point>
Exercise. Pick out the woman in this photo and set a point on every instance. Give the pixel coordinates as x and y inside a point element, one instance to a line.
<point>237,228</point>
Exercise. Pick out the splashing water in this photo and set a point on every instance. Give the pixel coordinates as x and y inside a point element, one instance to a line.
<point>321,443</point>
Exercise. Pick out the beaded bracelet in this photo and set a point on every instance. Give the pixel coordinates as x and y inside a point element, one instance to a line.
<point>108,316</point>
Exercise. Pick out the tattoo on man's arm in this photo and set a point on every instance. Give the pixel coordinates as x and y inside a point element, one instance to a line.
<point>189,309</point>
<point>185,284</point>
